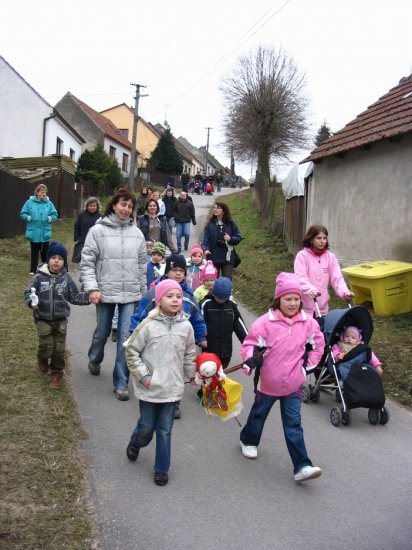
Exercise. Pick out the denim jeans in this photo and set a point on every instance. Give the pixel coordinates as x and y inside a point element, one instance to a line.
<point>156,417</point>
<point>182,230</point>
<point>292,429</point>
<point>171,223</point>
<point>103,329</point>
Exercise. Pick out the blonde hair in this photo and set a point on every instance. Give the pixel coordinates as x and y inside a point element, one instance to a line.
<point>41,187</point>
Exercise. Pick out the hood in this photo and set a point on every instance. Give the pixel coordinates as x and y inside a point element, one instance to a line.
<point>113,221</point>
<point>44,268</point>
<point>36,199</point>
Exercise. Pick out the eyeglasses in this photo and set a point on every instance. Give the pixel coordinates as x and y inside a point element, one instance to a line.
<point>178,270</point>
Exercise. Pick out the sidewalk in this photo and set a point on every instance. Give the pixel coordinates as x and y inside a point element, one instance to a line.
<point>218,499</point>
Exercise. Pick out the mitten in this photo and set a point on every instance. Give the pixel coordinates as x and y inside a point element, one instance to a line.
<point>34,298</point>
<point>251,364</point>
<point>49,219</point>
<point>29,218</point>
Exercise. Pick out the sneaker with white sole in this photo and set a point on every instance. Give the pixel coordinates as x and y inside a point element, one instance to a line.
<point>249,451</point>
<point>121,394</point>
<point>308,472</point>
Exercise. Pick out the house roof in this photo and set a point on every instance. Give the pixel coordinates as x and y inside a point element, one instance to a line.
<point>187,155</point>
<point>389,117</point>
<point>106,125</point>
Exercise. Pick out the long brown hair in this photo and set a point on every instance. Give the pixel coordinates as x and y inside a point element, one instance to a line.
<point>313,232</point>
<point>227,217</point>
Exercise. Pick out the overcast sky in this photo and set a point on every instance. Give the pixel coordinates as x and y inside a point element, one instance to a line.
<point>352,52</point>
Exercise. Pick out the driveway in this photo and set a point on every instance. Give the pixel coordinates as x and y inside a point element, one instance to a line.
<point>216,498</point>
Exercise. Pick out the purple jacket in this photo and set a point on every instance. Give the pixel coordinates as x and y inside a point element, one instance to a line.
<point>282,372</point>
<point>318,273</point>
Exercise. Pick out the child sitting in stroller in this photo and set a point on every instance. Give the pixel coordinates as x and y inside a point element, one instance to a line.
<point>350,338</point>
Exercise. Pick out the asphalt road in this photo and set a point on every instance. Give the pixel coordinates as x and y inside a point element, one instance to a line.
<point>216,498</point>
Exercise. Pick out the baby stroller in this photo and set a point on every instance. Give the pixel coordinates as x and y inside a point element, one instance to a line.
<point>354,381</point>
<point>196,187</point>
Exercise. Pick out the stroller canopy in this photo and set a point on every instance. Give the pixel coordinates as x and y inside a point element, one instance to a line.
<point>337,320</point>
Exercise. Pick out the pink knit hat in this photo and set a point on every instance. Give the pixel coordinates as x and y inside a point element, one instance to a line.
<point>208,271</point>
<point>196,249</point>
<point>357,332</point>
<point>164,287</point>
<point>287,283</point>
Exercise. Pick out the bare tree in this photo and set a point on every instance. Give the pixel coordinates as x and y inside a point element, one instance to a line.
<point>266,108</point>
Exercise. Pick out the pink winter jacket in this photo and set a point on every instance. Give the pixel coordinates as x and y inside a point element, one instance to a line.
<point>318,273</point>
<point>282,372</point>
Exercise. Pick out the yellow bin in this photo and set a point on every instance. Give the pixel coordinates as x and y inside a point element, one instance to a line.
<point>387,284</point>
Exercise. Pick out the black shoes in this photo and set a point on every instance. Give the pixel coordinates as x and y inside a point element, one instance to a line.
<point>161,479</point>
<point>132,452</point>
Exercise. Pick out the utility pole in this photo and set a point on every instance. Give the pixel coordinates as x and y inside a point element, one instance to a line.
<point>134,139</point>
<point>207,148</point>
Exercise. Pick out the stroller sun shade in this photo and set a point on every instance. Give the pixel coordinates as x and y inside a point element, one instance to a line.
<point>337,320</point>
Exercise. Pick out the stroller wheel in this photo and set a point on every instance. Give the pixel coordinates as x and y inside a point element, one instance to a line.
<point>384,416</point>
<point>335,417</point>
<point>315,395</point>
<point>306,394</point>
<point>337,396</point>
<point>373,416</point>
<point>345,418</point>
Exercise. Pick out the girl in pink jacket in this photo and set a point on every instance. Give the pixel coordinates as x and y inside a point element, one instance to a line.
<point>275,346</point>
<point>317,269</point>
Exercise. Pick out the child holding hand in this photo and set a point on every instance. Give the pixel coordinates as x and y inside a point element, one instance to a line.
<point>160,354</point>
<point>275,346</point>
<point>208,277</point>
<point>195,263</point>
<point>48,295</point>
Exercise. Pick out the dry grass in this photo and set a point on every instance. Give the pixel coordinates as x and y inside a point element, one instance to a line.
<point>44,502</point>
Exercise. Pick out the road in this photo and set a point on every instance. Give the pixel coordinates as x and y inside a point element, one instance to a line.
<point>216,498</point>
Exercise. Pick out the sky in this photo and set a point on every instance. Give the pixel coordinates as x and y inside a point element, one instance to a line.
<point>351,53</point>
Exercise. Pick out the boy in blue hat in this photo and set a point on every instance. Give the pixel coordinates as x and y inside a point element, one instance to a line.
<point>48,295</point>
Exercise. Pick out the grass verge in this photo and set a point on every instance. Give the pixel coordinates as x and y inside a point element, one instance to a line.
<point>44,500</point>
<point>264,256</point>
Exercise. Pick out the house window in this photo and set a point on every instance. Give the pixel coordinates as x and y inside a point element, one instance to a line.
<point>72,154</point>
<point>125,162</point>
<point>59,146</point>
<point>112,152</point>
<point>124,132</point>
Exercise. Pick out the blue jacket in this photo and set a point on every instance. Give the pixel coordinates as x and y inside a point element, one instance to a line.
<point>190,307</point>
<point>39,215</point>
<point>214,242</point>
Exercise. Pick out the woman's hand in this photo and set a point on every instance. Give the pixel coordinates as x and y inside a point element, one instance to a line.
<point>94,297</point>
<point>227,237</point>
<point>207,252</point>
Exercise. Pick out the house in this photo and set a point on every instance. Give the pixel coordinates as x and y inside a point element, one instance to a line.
<point>31,127</point>
<point>361,187</point>
<point>147,137</point>
<point>213,165</point>
<point>96,129</point>
<point>198,162</point>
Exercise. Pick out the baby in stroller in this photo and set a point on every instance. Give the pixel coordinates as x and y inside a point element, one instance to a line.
<point>350,338</point>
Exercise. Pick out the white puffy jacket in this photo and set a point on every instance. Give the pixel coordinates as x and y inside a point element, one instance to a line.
<point>114,261</point>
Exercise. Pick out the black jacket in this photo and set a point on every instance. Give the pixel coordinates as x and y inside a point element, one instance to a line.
<point>213,241</point>
<point>221,321</point>
<point>184,211</point>
<point>169,203</point>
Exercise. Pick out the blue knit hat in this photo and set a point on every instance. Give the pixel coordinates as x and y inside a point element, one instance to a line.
<point>222,288</point>
<point>57,249</point>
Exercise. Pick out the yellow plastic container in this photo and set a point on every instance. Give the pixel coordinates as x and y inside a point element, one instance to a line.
<point>387,284</point>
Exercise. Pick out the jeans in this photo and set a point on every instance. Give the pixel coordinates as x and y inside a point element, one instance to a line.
<point>182,230</point>
<point>52,343</point>
<point>156,417</point>
<point>35,250</point>
<point>292,429</point>
<point>102,331</point>
<point>171,223</point>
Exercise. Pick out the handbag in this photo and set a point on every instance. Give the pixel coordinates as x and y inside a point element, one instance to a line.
<point>237,259</point>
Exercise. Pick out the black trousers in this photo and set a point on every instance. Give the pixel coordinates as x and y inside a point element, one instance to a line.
<point>36,249</point>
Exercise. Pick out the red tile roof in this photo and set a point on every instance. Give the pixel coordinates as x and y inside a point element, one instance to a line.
<point>109,129</point>
<point>390,116</point>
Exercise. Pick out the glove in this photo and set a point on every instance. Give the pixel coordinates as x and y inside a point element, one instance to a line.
<point>49,219</point>
<point>258,351</point>
<point>29,218</point>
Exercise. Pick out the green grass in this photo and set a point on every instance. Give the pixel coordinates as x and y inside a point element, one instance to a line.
<point>264,256</point>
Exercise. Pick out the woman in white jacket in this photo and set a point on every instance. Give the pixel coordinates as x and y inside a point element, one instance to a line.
<point>113,271</point>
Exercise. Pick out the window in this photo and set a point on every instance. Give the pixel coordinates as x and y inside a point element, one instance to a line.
<point>124,132</point>
<point>125,162</point>
<point>72,154</point>
<point>112,152</point>
<point>59,146</point>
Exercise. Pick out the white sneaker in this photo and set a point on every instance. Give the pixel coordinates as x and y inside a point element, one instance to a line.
<point>308,472</point>
<point>249,451</point>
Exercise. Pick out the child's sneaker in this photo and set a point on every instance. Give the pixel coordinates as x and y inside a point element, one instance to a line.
<point>55,380</point>
<point>161,479</point>
<point>308,472</point>
<point>249,451</point>
<point>94,369</point>
<point>132,452</point>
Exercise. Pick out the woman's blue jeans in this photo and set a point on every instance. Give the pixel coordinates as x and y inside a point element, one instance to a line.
<point>156,417</point>
<point>292,429</point>
<point>104,313</point>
